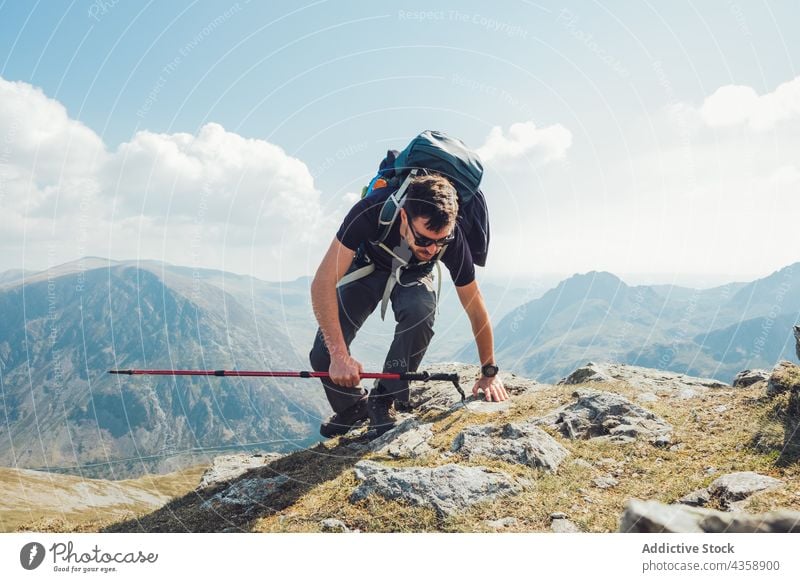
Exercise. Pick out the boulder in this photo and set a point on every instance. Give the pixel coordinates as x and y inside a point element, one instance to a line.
<point>563,526</point>
<point>228,467</point>
<point>784,377</point>
<point>747,378</point>
<point>738,486</point>
<point>249,493</point>
<point>409,439</point>
<point>797,340</point>
<point>442,396</point>
<point>448,489</point>
<point>647,380</point>
<point>331,525</point>
<point>609,416</point>
<point>520,443</point>
<point>656,517</point>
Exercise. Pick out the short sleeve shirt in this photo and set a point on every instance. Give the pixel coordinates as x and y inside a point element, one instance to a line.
<point>361,226</point>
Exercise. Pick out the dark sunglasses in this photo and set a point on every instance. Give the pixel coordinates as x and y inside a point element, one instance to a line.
<point>424,241</point>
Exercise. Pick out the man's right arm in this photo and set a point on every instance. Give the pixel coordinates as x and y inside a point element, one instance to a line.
<point>326,309</point>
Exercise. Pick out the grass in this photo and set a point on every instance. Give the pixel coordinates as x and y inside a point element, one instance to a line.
<point>710,442</point>
<point>720,431</point>
<point>43,500</point>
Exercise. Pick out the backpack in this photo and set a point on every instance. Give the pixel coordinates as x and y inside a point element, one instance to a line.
<point>430,151</point>
<point>434,151</point>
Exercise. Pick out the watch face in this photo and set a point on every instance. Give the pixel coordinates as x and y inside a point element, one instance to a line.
<point>490,370</point>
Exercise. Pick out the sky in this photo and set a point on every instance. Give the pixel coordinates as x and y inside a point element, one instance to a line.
<point>654,140</point>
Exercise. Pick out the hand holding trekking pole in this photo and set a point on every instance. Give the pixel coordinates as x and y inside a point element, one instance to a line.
<point>345,370</point>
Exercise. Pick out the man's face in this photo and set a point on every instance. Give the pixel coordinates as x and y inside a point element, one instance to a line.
<point>423,253</point>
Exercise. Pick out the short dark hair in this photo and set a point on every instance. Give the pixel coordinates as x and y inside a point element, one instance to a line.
<point>433,198</point>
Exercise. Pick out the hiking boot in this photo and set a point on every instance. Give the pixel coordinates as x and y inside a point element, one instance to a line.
<point>342,422</point>
<point>381,413</point>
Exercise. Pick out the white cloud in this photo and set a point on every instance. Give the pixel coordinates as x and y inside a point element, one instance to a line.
<point>47,159</point>
<point>526,141</point>
<point>739,104</point>
<point>189,199</point>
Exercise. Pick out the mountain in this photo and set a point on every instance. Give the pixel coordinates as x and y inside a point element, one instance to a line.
<point>622,448</point>
<point>67,326</point>
<point>596,316</point>
<point>14,275</point>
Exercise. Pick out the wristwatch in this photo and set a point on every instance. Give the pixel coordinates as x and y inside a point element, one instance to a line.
<point>490,370</point>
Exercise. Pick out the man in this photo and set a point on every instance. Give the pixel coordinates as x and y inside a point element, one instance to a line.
<point>403,269</point>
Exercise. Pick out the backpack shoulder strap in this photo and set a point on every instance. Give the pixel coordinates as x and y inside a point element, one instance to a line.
<point>391,208</point>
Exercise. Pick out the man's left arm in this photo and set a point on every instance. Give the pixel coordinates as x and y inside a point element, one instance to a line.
<point>472,301</point>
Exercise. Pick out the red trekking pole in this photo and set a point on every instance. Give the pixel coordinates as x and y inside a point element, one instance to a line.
<point>411,376</point>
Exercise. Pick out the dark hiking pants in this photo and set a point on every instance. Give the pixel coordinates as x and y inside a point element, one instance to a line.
<point>414,311</point>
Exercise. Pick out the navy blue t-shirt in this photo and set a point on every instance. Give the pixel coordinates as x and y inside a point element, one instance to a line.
<point>361,226</point>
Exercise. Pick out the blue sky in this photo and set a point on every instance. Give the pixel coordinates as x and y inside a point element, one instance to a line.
<point>608,150</point>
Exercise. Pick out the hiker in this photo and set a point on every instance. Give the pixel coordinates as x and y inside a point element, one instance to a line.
<point>356,275</point>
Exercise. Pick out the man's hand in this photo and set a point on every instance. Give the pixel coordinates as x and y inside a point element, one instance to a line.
<point>493,388</point>
<point>345,371</point>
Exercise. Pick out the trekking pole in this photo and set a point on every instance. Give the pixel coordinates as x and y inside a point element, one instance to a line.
<point>411,376</point>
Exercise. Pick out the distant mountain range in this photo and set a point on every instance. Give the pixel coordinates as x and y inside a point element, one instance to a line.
<point>712,333</point>
<point>65,327</point>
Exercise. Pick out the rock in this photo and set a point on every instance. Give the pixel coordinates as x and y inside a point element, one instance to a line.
<point>606,482</point>
<point>784,377</point>
<point>333,525</point>
<point>747,378</point>
<point>791,427</point>
<point>696,498</point>
<point>797,340</point>
<point>591,372</point>
<point>448,488</point>
<point>648,380</point>
<point>738,486</point>
<point>228,467</point>
<point>409,439</point>
<point>501,523</point>
<point>247,492</point>
<point>605,415</point>
<point>582,463</point>
<point>656,517</point>
<point>520,443</point>
<point>662,440</point>
<point>564,526</point>
<point>481,406</point>
<point>558,515</point>
<point>442,396</point>
<point>647,397</point>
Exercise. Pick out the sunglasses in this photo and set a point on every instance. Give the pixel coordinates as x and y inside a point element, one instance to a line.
<point>424,241</point>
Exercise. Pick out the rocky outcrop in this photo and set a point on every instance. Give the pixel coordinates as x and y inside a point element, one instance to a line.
<point>408,440</point>
<point>442,397</point>
<point>249,493</point>
<point>797,340</point>
<point>608,416</point>
<point>520,443</point>
<point>747,378</point>
<point>228,467</point>
<point>730,490</point>
<point>647,380</point>
<point>785,376</point>
<point>656,517</point>
<point>448,488</point>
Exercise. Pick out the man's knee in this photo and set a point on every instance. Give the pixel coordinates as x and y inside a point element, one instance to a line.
<point>417,313</point>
